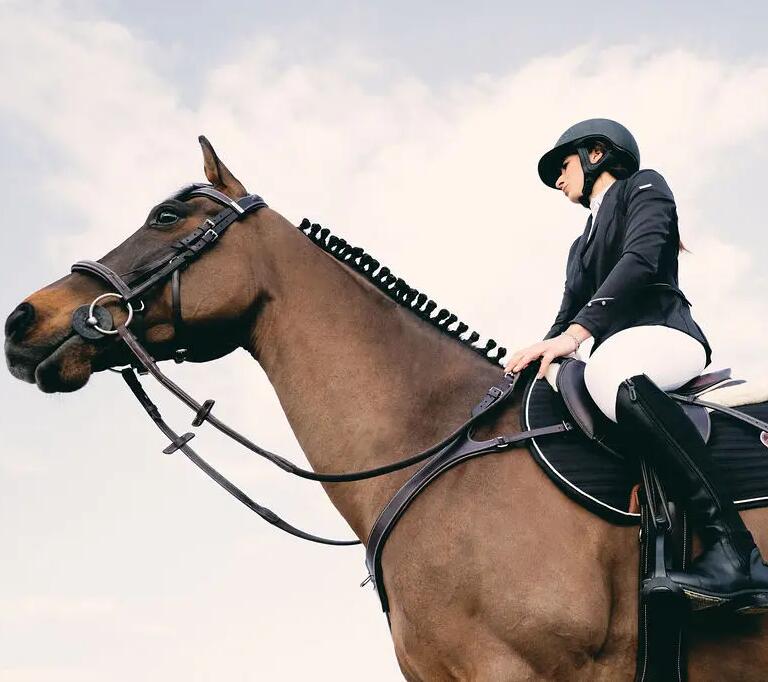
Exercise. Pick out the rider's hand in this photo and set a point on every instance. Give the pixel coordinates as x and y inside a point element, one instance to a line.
<point>548,350</point>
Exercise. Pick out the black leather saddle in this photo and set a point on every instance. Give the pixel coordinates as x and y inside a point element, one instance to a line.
<point>591,420</point>
<point>587,463</point>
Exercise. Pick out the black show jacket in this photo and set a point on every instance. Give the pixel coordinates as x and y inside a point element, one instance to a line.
<point>626,274</point>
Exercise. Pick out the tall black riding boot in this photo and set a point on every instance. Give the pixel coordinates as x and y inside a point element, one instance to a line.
<point>730,572</point>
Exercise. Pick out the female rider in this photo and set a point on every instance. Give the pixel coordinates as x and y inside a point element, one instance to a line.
<point>622,290</point>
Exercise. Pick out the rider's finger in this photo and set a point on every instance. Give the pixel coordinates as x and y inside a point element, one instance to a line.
<point>546,360</point>
<point>524,361</point>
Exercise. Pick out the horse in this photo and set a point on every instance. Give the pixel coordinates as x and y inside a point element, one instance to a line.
<point>493,573</point>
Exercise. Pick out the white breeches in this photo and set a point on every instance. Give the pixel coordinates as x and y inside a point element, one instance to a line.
<point>668,356</point>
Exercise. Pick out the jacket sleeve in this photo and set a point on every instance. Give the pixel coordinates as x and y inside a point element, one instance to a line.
<point>567,304</point>
<point>650,223</point>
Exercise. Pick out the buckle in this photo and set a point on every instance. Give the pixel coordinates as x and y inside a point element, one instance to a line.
<point>495,392</point>
<point>501,442</point>
<point>210,235</point>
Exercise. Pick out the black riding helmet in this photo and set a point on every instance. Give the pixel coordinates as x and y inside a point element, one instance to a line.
<point>621,147</point>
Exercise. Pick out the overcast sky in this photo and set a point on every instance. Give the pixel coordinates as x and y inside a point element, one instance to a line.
<point>413,131</point>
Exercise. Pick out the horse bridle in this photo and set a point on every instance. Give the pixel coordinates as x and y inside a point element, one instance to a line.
<point>94,322</point>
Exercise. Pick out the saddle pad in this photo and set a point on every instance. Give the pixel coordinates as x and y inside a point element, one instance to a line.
<point>602,482</point>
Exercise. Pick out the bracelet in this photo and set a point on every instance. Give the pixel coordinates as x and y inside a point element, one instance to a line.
<point>578,343</point>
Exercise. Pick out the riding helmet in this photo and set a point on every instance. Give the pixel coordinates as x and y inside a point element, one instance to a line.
<point>621,147</point>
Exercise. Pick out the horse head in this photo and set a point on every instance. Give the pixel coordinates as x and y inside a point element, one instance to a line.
<point>59,335</point>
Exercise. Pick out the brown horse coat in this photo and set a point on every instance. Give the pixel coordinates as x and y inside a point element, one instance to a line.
<point>492,574</point>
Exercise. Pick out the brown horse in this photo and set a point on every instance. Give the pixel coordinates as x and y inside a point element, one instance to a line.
<point>492,574</point>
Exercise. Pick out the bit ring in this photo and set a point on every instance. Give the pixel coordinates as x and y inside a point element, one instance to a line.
<point>93,322</point>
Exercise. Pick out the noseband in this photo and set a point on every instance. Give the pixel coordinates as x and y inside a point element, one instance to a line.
<point>94,322</point>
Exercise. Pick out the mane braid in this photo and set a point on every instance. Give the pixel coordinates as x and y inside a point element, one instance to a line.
<point>399,291</point>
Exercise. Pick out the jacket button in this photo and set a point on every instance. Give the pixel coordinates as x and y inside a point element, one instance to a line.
<point>603,302</point>
<point>589,305</point>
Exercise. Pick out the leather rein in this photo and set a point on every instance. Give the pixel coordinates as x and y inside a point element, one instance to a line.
<point>94,322</point>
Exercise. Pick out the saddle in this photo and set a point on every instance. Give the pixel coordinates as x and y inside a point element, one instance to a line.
<point>587,464</point>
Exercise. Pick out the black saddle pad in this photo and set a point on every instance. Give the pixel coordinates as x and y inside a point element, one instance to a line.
<point>602,482</point>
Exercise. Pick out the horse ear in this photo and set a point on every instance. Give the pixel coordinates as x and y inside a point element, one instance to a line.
<point>218,174</point>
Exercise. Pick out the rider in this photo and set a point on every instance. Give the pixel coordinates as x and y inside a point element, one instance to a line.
<point>622,290</point>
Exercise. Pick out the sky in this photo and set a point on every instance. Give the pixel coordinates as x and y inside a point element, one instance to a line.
<point>413,131</point>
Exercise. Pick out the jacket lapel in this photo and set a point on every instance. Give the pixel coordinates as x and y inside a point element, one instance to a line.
<point>583,241</point>
<point>604,217</point>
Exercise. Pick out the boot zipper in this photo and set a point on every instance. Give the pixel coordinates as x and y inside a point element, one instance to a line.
<point>633,397</point>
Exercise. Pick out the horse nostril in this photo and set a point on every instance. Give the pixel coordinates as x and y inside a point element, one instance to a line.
<point>19,321</point>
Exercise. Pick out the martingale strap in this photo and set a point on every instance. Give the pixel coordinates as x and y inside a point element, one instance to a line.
<point>461,450</point>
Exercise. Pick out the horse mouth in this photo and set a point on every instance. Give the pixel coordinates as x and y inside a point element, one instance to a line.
<point>65,363</point>
<point>62,366</point>
<point>65,369</point>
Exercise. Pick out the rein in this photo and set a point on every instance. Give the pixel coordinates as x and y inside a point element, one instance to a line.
<point>94,322</point>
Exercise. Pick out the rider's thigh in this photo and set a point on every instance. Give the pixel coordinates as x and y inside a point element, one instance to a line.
<point>667,356</point>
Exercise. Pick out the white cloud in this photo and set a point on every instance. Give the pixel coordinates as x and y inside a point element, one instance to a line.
<point>439,183</point>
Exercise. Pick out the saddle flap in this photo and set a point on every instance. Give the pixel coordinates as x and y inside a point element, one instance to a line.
<point>569,382</point>
<point>699,415</point>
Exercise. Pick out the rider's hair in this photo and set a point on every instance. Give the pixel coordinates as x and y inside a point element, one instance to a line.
<point>620,171</point>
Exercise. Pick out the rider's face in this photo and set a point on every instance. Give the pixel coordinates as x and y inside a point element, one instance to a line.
<point>571,180</point>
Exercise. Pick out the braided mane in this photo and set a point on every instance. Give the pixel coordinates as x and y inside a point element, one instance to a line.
<point>398,290</point>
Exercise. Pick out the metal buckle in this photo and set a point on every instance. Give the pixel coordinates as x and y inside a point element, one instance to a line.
<point>496,392</point>
<point>500,442</point>
<point>568,426</point>
<point>210,231</point>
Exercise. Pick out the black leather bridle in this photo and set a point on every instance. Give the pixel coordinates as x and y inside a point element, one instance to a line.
<point>94,322</point>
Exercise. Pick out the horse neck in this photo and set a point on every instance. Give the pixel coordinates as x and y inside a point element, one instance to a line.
<point>362,380</point>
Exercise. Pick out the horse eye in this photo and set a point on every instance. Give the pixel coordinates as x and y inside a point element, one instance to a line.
<point>165,218</point>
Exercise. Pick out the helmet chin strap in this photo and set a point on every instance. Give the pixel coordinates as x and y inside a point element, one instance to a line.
<point>592,171</point>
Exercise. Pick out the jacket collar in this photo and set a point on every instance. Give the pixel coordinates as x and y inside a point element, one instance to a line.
<point>594,202</point>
